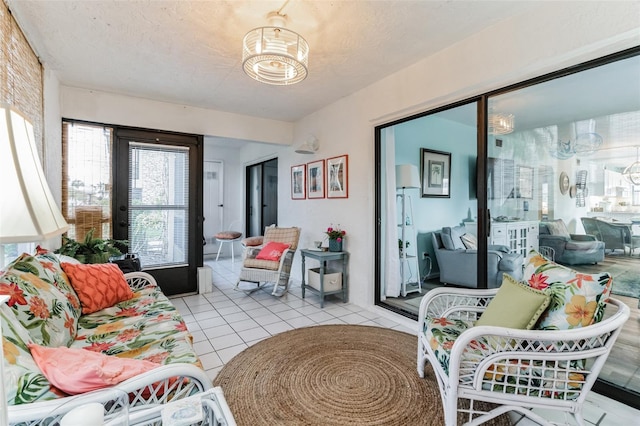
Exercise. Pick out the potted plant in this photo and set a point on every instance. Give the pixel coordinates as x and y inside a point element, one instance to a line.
<point>336,235</point>
<point>92,250</point>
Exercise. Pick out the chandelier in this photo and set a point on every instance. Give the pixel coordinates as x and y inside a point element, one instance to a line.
<point>500,124</point>
<point>274,54</point>
<point>632,172</point>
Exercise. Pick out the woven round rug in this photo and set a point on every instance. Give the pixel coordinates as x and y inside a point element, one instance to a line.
<point>332,375</point>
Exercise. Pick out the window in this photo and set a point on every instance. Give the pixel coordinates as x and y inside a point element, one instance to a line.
<point>87,178</point>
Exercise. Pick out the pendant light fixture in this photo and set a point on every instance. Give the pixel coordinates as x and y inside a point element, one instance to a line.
<point>274,54</point>
<point>500,124</point>
<point>632,172</point>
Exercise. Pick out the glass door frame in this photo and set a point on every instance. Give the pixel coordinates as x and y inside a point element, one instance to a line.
<point>625,396</point>
<point>167,277</point>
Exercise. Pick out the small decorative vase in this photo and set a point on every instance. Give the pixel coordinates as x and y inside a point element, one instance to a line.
<point>335,245</point>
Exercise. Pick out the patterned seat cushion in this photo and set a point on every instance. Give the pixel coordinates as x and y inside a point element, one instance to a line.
<point>441,334</point>
<point>146,327</point>
<point>548,378</point>
<point>271,265</point>
<point>50,317</point>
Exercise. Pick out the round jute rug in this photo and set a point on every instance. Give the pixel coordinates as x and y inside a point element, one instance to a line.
<point>332,375</point>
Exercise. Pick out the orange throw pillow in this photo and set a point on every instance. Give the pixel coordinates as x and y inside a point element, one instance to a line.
<point>77,371</point>
<point>98,286</point>
<point>272,251</point>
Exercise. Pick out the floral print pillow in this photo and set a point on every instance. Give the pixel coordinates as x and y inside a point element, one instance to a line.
<point>577,300</point>
<point>50,270</point>
<point>41,308</point>
<point>23,381</point>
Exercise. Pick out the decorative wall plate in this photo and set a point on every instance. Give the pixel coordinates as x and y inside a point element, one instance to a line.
<point>564,183</point>
<point>572,191</point>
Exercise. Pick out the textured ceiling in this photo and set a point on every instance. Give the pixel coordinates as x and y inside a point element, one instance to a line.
<point>189,52</point>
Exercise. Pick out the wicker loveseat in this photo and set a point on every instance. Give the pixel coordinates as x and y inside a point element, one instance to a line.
<point>44,311</point>
<point>549,361</point>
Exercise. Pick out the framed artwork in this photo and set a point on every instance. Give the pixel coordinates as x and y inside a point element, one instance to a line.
<point>436,173</point>
<point>337,177</point>
<point>298,182</point>
<point>315,179</point>
<point>524,188</point>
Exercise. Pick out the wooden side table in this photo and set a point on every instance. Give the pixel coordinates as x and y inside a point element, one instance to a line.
<point>323,257</point>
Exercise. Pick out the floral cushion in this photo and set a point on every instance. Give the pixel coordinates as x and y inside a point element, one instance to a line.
<point>52,272</point>
<point>577,299</point>
<point>23,381</point>
<point>42,309</point>
<point>548,379</point>
<point>441,334</point>
<point>147,327</point>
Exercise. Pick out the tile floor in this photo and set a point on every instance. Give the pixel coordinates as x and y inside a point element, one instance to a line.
<point>225,322</point>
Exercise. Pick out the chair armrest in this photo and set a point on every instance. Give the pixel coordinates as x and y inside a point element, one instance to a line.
<point>444,302</point>
<point>583,237</point>
<point>139,280</point>
<point>549,237</point>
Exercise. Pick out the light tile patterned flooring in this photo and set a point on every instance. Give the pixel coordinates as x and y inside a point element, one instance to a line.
<point>225,322</point>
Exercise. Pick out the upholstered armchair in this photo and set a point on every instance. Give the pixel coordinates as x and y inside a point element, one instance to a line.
<point>570,249</point>
<point>458,264</point>
<point>615,236</point>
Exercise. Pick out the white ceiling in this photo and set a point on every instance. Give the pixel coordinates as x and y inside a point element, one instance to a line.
<point>189,52</point>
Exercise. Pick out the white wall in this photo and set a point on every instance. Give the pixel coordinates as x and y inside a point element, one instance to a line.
<point>552,36</point>
<point>109,108</point>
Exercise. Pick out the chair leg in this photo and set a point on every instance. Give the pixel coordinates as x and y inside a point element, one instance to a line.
<point>219,249</point>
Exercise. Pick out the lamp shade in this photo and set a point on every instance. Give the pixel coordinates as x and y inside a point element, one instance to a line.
<point>407,176</point>
<point>28,212</point>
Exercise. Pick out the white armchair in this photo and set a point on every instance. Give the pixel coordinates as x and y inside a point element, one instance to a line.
<point>518,369</point>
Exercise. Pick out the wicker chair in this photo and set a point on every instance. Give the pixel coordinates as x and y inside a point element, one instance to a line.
<point>518,369</point>
<point>262,272</point>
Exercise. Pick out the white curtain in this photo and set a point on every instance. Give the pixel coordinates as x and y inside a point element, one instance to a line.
<point>391,255</point>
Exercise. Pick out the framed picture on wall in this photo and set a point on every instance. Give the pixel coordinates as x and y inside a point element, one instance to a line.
<point>315,179</point>
<point>337,177</point>
<point>298,182</point>
<point>436,173</point>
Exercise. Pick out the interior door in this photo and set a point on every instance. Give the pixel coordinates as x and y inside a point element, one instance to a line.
<point>158,205</point>
<point>262,196</point>
<point>213,206</point>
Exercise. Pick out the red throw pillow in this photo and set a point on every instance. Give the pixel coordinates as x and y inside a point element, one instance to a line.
<point>77,371</point>
<point>272,251</point>
<point>98,286</point>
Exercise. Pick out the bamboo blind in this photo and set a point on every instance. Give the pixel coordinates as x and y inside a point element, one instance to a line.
<point>20,74</point>
<point>86,178</point>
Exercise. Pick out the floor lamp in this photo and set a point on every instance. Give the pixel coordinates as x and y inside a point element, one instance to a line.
<point>28,212</point>
<point>406,177</point>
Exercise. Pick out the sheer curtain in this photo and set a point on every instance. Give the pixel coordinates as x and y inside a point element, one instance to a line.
<point>391,255</point>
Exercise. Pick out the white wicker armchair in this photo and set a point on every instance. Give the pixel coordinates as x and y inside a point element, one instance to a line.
<point>517,369</point>
<point>270,271</point>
